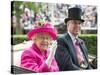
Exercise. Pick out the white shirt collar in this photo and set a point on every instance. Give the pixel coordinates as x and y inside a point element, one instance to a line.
<point>72,37</point>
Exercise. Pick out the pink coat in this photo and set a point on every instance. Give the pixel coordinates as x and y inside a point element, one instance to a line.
<point>33,59</point>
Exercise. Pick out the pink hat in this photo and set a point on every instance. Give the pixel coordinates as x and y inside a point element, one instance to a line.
<point>45,27</point>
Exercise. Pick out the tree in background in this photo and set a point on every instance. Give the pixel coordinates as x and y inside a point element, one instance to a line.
<point>17,9</point>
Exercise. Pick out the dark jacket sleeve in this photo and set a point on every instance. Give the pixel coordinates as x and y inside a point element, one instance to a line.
<point>63,58</point>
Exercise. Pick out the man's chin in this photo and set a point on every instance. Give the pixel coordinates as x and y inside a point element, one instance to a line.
<point>76,33</point>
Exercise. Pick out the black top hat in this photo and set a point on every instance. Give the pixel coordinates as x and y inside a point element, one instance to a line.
<point>74,14</point>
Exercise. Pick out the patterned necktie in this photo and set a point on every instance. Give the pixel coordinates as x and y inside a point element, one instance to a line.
<point>81,59</point>
<point>78,51</point>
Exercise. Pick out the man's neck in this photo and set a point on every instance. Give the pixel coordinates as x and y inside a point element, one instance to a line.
<point>72,35</point>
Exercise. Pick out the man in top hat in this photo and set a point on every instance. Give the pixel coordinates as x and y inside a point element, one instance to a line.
<point>71,53</point>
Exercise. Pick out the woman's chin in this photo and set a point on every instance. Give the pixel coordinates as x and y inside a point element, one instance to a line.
<point>43,49</point>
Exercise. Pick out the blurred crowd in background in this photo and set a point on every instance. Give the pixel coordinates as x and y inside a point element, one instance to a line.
<point>51,12</point>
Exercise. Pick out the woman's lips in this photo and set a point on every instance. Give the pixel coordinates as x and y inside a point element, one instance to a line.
<point>44,44</point>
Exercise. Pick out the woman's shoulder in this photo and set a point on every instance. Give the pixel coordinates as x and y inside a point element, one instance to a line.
<point>28,52</point>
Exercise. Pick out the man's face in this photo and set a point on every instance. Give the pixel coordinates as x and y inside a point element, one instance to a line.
<point>73,26</point>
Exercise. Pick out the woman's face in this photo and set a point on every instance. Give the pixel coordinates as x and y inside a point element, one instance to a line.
<point>42,40</point>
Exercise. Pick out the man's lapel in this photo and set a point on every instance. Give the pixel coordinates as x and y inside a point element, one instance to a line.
<point>71,48</point>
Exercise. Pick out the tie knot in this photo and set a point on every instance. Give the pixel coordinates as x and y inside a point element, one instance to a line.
<point>77,41</point>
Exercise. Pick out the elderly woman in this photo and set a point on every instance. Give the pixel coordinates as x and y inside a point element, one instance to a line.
<point>40,56</point>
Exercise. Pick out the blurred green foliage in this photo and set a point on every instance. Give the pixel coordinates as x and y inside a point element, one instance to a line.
<point>90,41</point>
<point>18,8</point>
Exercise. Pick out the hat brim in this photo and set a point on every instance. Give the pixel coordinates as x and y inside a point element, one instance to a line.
<point>50,31</point>
<point>67,19</point>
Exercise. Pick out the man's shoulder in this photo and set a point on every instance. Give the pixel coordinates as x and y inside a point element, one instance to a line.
<point>63,40</point>
<point>63,36</point>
